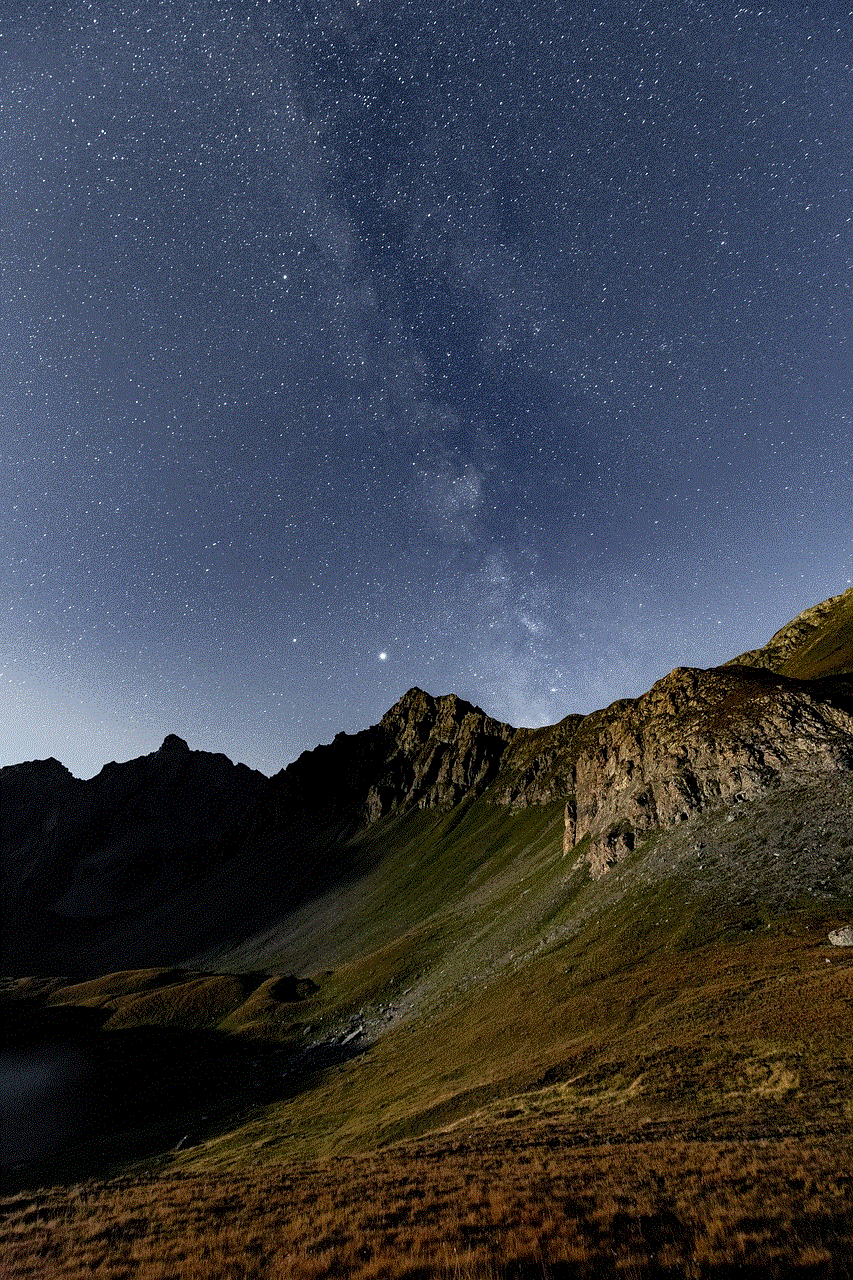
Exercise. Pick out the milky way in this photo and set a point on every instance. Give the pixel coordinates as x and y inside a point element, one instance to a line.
<point>501,349</point>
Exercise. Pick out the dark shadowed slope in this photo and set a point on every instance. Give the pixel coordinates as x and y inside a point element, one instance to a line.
<point>157,859</point>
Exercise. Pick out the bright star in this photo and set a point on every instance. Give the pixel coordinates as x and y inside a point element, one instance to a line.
<point>383,656</point>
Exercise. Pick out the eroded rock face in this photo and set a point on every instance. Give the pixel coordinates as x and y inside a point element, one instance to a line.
<point>537,768</point>
<point>436,752</point>
<point>425,753</point>
<point>696,739</point>
<point>842,937</point>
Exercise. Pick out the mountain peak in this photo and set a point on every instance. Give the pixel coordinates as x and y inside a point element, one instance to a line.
<point>412,697</point>
<point>818,642</point>
<point>174,745</point>
<point>437,750</point>
<point>416,702</point>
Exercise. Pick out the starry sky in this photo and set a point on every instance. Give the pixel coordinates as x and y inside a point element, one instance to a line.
<point>497,348</point>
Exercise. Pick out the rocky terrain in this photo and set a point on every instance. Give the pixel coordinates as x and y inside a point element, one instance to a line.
<point>696,739</point>
<point>616,948</point>
<point>81,857</point>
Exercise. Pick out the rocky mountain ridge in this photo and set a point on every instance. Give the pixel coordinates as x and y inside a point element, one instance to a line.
<point>75,850</point>
<point>696,739</point>
<point>815,643</point>
<point>438,751</point>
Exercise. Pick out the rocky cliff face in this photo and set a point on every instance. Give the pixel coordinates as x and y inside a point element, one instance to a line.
<point>537,768</point>
<point>425,752</point>
<point>139,831</point>
<point>698,738</point>
<point>436,752</point>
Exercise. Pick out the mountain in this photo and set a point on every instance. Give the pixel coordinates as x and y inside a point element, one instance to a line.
<point>77,855</point>
<point>160,856</point>
<point>816,643</point>
<point>475,999</point>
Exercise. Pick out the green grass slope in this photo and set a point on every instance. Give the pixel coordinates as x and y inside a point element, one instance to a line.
<point>817,643</point>
<point>475,975</point>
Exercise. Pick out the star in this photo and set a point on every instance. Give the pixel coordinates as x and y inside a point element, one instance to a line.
<point>474,385</point>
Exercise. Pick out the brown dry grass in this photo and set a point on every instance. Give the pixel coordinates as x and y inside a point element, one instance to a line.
<point>666,1091</point>
<point>542,1199</point>
<point>762,1014</point>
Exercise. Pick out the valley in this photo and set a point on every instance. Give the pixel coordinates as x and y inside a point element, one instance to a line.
<point>446,998</point>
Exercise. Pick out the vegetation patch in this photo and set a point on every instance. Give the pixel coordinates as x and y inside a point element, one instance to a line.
<point>530,1199</point>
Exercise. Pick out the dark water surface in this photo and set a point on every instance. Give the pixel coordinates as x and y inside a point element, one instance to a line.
<point>44,1099</point>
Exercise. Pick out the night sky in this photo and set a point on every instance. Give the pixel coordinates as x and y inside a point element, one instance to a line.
<point>501,349</point>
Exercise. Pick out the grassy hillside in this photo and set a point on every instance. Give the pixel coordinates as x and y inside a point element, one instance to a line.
<point>817,643</point>
<point>474,972</point>
<point>638,1076</point>
<point>521,1201</point>
<point>829,650</point>
<point>464,1057</point>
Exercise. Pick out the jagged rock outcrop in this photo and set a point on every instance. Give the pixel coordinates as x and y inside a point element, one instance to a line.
<point>537,768</point>
<point>426,752</point>
<point>437,751</point>
<point>697,738</point>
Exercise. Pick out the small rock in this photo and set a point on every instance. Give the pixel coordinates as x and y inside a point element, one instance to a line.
<point>842,937</point>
